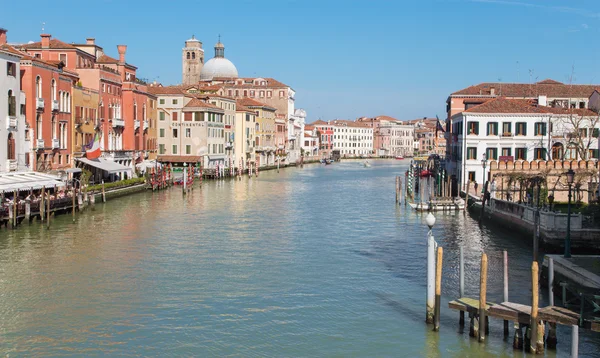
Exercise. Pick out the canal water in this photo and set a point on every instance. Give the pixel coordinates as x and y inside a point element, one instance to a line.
<point>308,262</point>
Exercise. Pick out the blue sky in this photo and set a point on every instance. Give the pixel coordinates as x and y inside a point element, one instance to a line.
<point>345,59</point>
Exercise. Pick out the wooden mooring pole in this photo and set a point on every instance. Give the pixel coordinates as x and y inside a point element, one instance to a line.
<point>575,341</point>
<point>397,178</point>
<point>438,289</point>
<point>537,332</point>
<point>461,287</point>
<point>482,297</point>
<point>103,193</point>
<point>551,338</point>
<point>505,281</point>
<point>48,212</point>
<point>42,204</point>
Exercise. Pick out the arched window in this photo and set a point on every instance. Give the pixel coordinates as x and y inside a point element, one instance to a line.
<point>54,127</point>
<point>68,109</point>
<point>193,55</point>
<point>11,147</point>
<point>188,55</point>
<point>53,90</point>
<point>38,126</point>
<point>12,104</point>
<point>38,86</point>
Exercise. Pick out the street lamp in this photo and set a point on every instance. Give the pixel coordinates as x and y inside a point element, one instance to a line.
<point>570,178</point>
<point>484,165</point>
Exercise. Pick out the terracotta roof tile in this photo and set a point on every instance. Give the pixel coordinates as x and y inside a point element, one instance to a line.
<point>519,106</point>
<point>54,44</point>
<point>107,59</point>
<point>546,87</point>
<point>11,50</point>
<point>240,108</point>
<point>166,90</point>
<point>200,103</point>
<point>249,102</point>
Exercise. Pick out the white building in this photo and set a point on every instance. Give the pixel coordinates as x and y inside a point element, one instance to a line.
<point>518,130</point>
<point>395,139</point>
<point>296,133</point>
<point>311,142</point>
<point>351,138</point>
<point>12,111</point>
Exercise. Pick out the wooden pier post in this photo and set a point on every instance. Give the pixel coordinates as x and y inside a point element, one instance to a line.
<point>11,215</point>
<point>461,287</point>
<point>482,296</point>
<point>103,193</point>
<point>505,281</point>
<point>42,204</point>
<point>536,345</point>
<point>399,190</point>
<point>467,195</point>
<point>551,338</point>
<point>73,203</point>
<point>48,212</point>
<point>396,189</point>
<point>438,289</point>
<point>518,339</point>
<point>15,209</point>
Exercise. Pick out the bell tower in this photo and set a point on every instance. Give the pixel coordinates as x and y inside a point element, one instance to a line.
<point>192,59</point>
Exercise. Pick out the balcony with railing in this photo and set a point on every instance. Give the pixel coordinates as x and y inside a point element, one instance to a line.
<point>118,122</point>
<point>11,165</point>
<point>39,143</point>
<point>39,103</point>
<point>55,143</point>
<point>11,123</point>
<point>55,105</point>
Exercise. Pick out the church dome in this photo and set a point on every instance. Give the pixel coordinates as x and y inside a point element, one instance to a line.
<point>218,66</point>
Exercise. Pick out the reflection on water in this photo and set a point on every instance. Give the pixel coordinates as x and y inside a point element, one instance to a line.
<point>313,261</point>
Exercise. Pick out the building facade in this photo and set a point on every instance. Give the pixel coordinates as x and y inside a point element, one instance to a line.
<point>245,138</point>
<point>85,120</point>
<point>509,130</point>
<point>14,152</point>
<point>264,131</point>
<point>310,147</point>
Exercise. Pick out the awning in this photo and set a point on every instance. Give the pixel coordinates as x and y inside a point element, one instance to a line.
<point>179,158</point>
<point>20,181</point>
<point>73,170</point>
<point>107,165</point>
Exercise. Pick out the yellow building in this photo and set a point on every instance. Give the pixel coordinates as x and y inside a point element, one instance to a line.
<point>85,118</point>
<point>150,126</point>
<point>245,135</point>
<point>264,131</point>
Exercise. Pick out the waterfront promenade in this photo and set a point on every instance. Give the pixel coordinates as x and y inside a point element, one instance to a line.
<point>313,261</point>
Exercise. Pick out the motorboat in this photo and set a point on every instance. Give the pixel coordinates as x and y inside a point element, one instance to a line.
<point>367,164</point>
<point>399,157</point>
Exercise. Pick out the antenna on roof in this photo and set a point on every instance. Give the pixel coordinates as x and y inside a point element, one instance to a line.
<point>517,71</point>
<point>43,24</point>
<point>219,38</point>
<point>500,81</point>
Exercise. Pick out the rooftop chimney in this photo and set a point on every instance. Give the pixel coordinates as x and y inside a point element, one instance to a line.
<point>493,91</point>
<point>2,36</point>
<point>90,41</point>
<point>45,40</point>
<point>122,49</point>
<point>542,100</point>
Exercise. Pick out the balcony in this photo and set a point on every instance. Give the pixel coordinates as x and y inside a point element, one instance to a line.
<point>39,103</point>
<point>146,125</point>
<point>136,124</point>
<point>39,143</point>
<point>11,165</point>
<point>118,123</point>
<point>11,123</point>
<point>55,106</point>
<point>55,143</point>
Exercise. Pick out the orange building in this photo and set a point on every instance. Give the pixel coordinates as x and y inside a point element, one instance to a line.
<point>48,86</point>
<point>122,116</point>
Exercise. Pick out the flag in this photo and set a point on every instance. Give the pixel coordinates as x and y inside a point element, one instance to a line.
<point>94,150</point>
<point>438,126</point>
